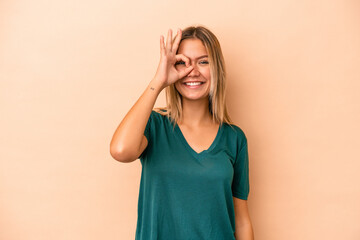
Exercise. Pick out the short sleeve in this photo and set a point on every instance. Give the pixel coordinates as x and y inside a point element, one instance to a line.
<point>240,184</point>
<point>147,133</point>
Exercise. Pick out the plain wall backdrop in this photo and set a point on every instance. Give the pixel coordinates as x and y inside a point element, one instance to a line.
<point>71,70</point>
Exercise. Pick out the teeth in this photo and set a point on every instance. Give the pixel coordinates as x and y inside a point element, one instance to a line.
<point>193,83</point>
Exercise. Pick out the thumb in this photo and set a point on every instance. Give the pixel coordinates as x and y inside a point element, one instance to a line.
<point>185,71</point>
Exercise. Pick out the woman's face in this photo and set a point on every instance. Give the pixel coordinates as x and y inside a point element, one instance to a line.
<point>198,58</point>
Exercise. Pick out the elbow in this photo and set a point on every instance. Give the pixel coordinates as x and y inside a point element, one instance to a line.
<point>121,155</point>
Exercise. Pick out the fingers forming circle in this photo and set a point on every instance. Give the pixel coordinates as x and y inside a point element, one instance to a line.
<point>184,58</point>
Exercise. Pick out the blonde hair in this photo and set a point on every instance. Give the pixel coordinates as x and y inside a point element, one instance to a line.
<point>217,101</point>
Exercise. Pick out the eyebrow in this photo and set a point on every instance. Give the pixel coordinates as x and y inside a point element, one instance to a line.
<point>203,56</point>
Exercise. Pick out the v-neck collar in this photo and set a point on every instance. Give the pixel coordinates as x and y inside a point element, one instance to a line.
<point>203,153</point>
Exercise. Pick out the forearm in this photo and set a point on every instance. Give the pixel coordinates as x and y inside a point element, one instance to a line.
<point>244,232</point>
<point>128,135</point>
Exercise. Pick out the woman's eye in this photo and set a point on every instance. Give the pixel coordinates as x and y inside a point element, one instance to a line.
<point>180,62</point>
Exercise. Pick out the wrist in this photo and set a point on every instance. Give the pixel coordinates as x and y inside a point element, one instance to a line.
<point>156,85</point>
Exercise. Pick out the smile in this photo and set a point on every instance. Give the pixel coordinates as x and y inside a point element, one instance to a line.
<point>193,84</point>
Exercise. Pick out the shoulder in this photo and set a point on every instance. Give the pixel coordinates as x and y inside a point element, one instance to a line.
<point>159,116</point>
<point>234,129</point>
<point>236,133</point>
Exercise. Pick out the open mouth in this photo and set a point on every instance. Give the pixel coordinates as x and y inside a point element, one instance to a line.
<point>193,84</point>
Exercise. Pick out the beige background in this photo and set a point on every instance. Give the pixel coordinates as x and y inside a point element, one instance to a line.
<point>70,71</point>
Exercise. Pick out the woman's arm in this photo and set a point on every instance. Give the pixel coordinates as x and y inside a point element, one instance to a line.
<point>243,226</point>
<point>128,140</point>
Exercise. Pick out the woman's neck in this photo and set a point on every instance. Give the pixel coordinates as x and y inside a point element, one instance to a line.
<point>195,113</point>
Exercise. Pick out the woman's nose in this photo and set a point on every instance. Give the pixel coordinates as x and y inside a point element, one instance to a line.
<point>195,71</point>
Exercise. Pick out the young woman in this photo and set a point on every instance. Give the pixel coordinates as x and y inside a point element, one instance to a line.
<point>195,166</point>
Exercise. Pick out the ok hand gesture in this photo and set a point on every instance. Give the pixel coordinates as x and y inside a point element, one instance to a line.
<point>166,72</point>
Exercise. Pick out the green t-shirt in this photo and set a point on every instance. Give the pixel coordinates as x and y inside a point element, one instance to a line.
<point>185,195</point>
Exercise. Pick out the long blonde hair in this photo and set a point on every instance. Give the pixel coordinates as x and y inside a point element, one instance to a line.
<point>217,100</point>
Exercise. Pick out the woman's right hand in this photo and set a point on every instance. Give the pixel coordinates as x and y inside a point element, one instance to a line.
<point>166,72</point>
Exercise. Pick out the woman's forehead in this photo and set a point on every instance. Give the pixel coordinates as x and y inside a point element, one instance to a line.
<point>192,48</point>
